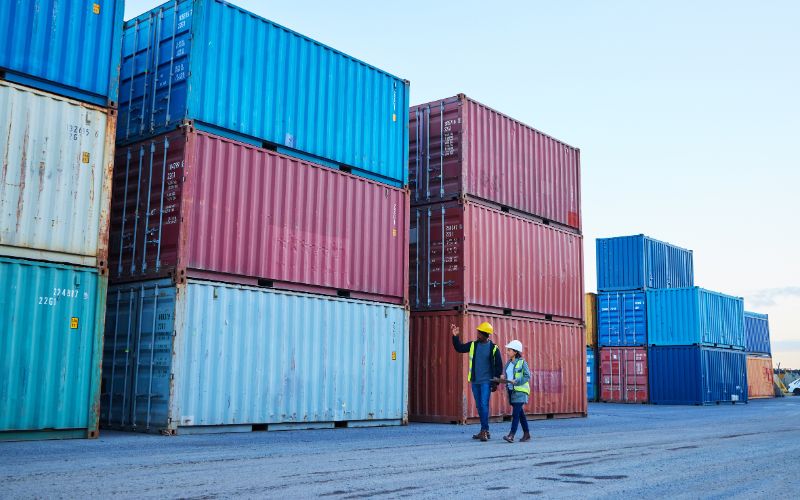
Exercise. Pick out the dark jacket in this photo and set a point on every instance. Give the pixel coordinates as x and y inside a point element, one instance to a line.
<point>497,359</point>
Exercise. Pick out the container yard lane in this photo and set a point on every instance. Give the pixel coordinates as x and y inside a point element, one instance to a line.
<point>685,452</point>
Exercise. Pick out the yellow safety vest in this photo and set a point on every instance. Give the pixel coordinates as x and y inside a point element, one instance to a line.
<point>472,354</point>
<point>526,387</point>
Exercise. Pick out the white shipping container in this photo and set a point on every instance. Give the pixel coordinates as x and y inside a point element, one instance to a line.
<point>57,155</point>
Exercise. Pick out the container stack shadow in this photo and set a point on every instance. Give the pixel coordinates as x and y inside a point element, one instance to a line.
<point>495,236</point>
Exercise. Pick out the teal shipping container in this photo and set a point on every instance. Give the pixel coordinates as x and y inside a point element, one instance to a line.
<point>238,75</point>
<point>695,316</point>
<point>50,350</point>
<point>591,374</point>
<point>213,357</point>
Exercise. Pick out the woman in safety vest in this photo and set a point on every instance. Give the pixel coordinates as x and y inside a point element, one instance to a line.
<point>517,378</point>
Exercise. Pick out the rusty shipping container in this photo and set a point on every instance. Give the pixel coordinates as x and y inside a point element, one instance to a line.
<point>460,147</point>
<point>467,255</point>
<point>623,374</point>
<point>55,185</point>
<point>438,386</point>
<point>759,377</point>
<point>191,204</point>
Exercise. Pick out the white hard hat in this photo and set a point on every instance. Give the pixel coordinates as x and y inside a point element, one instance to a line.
<point>515,344</point>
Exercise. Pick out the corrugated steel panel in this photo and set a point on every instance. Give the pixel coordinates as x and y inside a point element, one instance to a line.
<point>759,377</point>
<point>295,225</point>
<point>460,147</point>
<point>756,333</point>
<point>237,74</point>
<point>686,375</point>
<point>689,316</point>
<point>640,262</point>
<point>212,354</point>
<point>440,391</point>
<point>623,374</point>
<point>493,262</point>
<point>50,349</point>
<point>621,319</point>
<point>69,47</point>
<point>591,374</point>
<point>590,311</point>
<point>55,184</point>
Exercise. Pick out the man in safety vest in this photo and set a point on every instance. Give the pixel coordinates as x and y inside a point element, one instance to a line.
<point>485,364</point>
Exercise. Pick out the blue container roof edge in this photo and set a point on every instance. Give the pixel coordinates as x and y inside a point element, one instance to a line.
<point>756,315</point>
<point>698,288</point>
<point>644,236</point>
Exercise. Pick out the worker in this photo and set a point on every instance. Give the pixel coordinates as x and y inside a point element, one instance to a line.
<point>517,379</point>
<point>485,364</point>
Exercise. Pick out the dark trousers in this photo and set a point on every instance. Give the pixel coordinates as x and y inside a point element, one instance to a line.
<point>517,417</point>
<point>481,392</point>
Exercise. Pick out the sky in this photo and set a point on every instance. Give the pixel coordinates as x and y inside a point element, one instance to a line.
<point>687,114</point>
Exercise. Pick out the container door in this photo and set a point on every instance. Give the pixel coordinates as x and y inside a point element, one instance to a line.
<point>437,254</point>
<point>435,170</point>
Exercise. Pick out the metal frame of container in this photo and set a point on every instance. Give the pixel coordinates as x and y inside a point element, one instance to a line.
<point>760,377</point>
<point>623,374</point>
<point>191,61</point>
<point>213,357</point>
<point>590,313</point>
<point>439,390</point>
<point>52,344</point>
<point>756,333</point>
<point>639,262</point>
<point>694,316</point>
<point>495,262</point>
<point>592,380</point>
<point>621,319</point>
<point>467,149</point>
<point>696,375</point>
<point>226,211</point>
<point>55,186</point>
<point>44,49</point>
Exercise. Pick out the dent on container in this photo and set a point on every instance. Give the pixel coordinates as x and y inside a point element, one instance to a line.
<point>50,350</point>
<point>640,262</point>
<point>233,73</point>
<point>193,204</point>
<point>460,147</point>
<point>55,185</point>
<point>205,356</point>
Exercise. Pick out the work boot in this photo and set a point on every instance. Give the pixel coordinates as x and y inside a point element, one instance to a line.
<point>484,436</point>
<point>526,436</point>
<point>478,435</point>
<point>509,438</point>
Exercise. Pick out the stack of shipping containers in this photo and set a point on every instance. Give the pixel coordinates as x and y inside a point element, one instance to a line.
<point>590,310</point>
<point>627,267</point>
<point>759,356</point>
<point>495,236</point>
<point>58,92</point>
<point>258,250</point>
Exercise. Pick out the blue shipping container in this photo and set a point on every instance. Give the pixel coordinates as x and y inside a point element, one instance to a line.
<point>639,262</point>
<point>621,319</point>
<point>591,374</point>
<point>756,333</point>
<point>691,375</point>
<point>67,47</point>
<point>182,358</point>
<point>241,76</point>
<point>695,316</point>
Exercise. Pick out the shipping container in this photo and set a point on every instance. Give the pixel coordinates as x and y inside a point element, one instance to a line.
<point>759,377</point>
<point>460,147</point>
<point>623,374</point>
<point>199,355</point>
<point>197,205</point>
<point>621,319</point>
<point>440,392</point>
<point>640,262</point>
<point>68,47</point>
<point>694,316</point>
<point>693,375</point>
<point>55,185</point>
<point>233,73</point>
<point>52,342</point>
<point>756,333</point>
<point>591,374</point>
<point>466,255</point>
<point>590,311</point>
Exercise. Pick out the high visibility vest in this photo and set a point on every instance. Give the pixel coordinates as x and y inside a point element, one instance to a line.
<point>472,354</point>
<point>526,387</point>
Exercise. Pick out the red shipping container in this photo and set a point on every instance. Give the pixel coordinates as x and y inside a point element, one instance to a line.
<point>193,204</point>
<point>459,147</point>
<point>623,375</point>
<point>469,256</point>
<point>438,386</point>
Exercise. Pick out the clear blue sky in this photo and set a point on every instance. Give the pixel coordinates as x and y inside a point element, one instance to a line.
<point>687,113</point>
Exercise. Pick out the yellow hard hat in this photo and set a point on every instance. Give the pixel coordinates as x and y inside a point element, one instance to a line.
<point>486,328</point>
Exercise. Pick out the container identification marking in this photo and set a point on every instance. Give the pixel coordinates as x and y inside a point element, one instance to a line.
<point>85,157</point>
<point>96,8</point>
<point>73,323</point>
<point>394,355</point>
